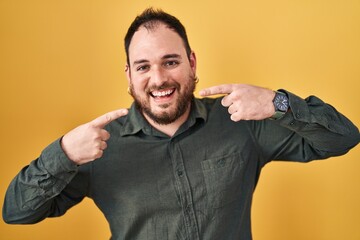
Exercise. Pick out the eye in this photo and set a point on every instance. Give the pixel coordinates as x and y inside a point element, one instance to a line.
<point>142,68</point>
<point>171,63</point>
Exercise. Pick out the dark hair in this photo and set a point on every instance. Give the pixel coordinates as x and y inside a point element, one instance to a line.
<point>149,19</point>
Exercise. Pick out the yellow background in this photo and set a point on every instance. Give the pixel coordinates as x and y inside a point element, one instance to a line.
<point>62,64</point>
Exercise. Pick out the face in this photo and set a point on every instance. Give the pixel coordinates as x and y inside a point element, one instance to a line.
<point>160,74</point>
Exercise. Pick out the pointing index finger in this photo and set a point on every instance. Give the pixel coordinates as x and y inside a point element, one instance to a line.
<point>105,119</point>
<point>220,89</point>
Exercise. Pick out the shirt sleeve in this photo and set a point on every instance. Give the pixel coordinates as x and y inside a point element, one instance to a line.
<point>311,130</point>
<point>47,187</point>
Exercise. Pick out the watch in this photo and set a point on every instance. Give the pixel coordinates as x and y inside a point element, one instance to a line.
<point>281,104</point>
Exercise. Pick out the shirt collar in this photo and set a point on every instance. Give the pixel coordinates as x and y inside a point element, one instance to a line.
<point>135,121</point>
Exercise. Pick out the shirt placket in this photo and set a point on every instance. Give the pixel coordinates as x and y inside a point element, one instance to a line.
<point>184,191</point>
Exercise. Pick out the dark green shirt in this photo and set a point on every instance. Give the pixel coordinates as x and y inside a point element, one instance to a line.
<point>197,184</point>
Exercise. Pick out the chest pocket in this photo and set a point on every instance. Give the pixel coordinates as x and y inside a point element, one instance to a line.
<point>223,177</point>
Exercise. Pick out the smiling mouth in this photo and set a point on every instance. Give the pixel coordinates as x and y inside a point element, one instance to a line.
<point>162,93</point>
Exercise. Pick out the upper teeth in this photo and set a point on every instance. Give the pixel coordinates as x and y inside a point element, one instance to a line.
<point>161,94</point>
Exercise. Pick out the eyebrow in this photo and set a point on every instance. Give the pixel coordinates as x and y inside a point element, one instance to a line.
<point>140,61</point>
<point>167,56</point>
<point>174,55</point>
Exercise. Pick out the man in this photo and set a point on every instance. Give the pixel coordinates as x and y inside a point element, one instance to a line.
<point>173,166</point>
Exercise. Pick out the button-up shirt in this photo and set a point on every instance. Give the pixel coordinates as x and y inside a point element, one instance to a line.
<point>197,184</point>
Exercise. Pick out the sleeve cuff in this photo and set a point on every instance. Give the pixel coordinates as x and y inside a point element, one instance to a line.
<point>57,163</point>
<point>298,115</point>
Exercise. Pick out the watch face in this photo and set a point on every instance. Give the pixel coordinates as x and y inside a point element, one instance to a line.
<point>281,102</point>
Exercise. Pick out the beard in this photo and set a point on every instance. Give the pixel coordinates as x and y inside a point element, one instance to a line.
<point>182,102</point>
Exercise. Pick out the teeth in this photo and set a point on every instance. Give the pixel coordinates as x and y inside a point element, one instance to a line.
<point>162,93</point>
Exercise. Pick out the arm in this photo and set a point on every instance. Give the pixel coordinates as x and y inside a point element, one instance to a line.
<point>38,191</point>
<point>58,179</point>
<point>311,129</point>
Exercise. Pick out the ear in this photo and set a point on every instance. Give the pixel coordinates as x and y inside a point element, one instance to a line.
<point>192,60</point>
<point>128,73</point>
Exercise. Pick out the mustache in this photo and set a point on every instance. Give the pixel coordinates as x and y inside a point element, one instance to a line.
<point>163,86</point>
<point>168,84</point>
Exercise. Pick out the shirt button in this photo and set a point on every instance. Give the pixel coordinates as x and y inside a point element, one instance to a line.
<point>221,162</point>
<point>180,173</point>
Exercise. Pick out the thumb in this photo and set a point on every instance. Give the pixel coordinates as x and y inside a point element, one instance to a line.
<point>105,119</point>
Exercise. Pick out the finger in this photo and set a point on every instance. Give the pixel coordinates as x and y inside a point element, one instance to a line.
<point>103,145</point>
<point>105,119</point>
<point>98,154</point>
<point>232,109</point>
<point>227,101</point>
<point>104,135</point>
<point>220,89</point>
<point>236,117</point>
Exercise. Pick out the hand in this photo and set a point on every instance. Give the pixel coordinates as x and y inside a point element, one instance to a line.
<point>244,102</point>
<point>88,141</point>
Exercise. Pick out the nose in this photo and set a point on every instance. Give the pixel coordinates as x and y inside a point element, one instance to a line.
<point>158,76</point>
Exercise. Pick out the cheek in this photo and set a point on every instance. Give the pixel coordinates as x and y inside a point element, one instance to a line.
<point>182,76</point>
<point>138,84</point>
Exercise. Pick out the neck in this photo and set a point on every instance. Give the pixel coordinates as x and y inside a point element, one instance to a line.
<point>171,128</point>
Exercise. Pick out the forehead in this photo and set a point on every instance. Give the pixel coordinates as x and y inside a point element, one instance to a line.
<point>154,43</point>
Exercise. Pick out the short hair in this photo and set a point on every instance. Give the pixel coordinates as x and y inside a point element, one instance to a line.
<point>150,18</point>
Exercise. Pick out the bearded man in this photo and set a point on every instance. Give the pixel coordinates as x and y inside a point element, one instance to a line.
<point>174,166</point>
